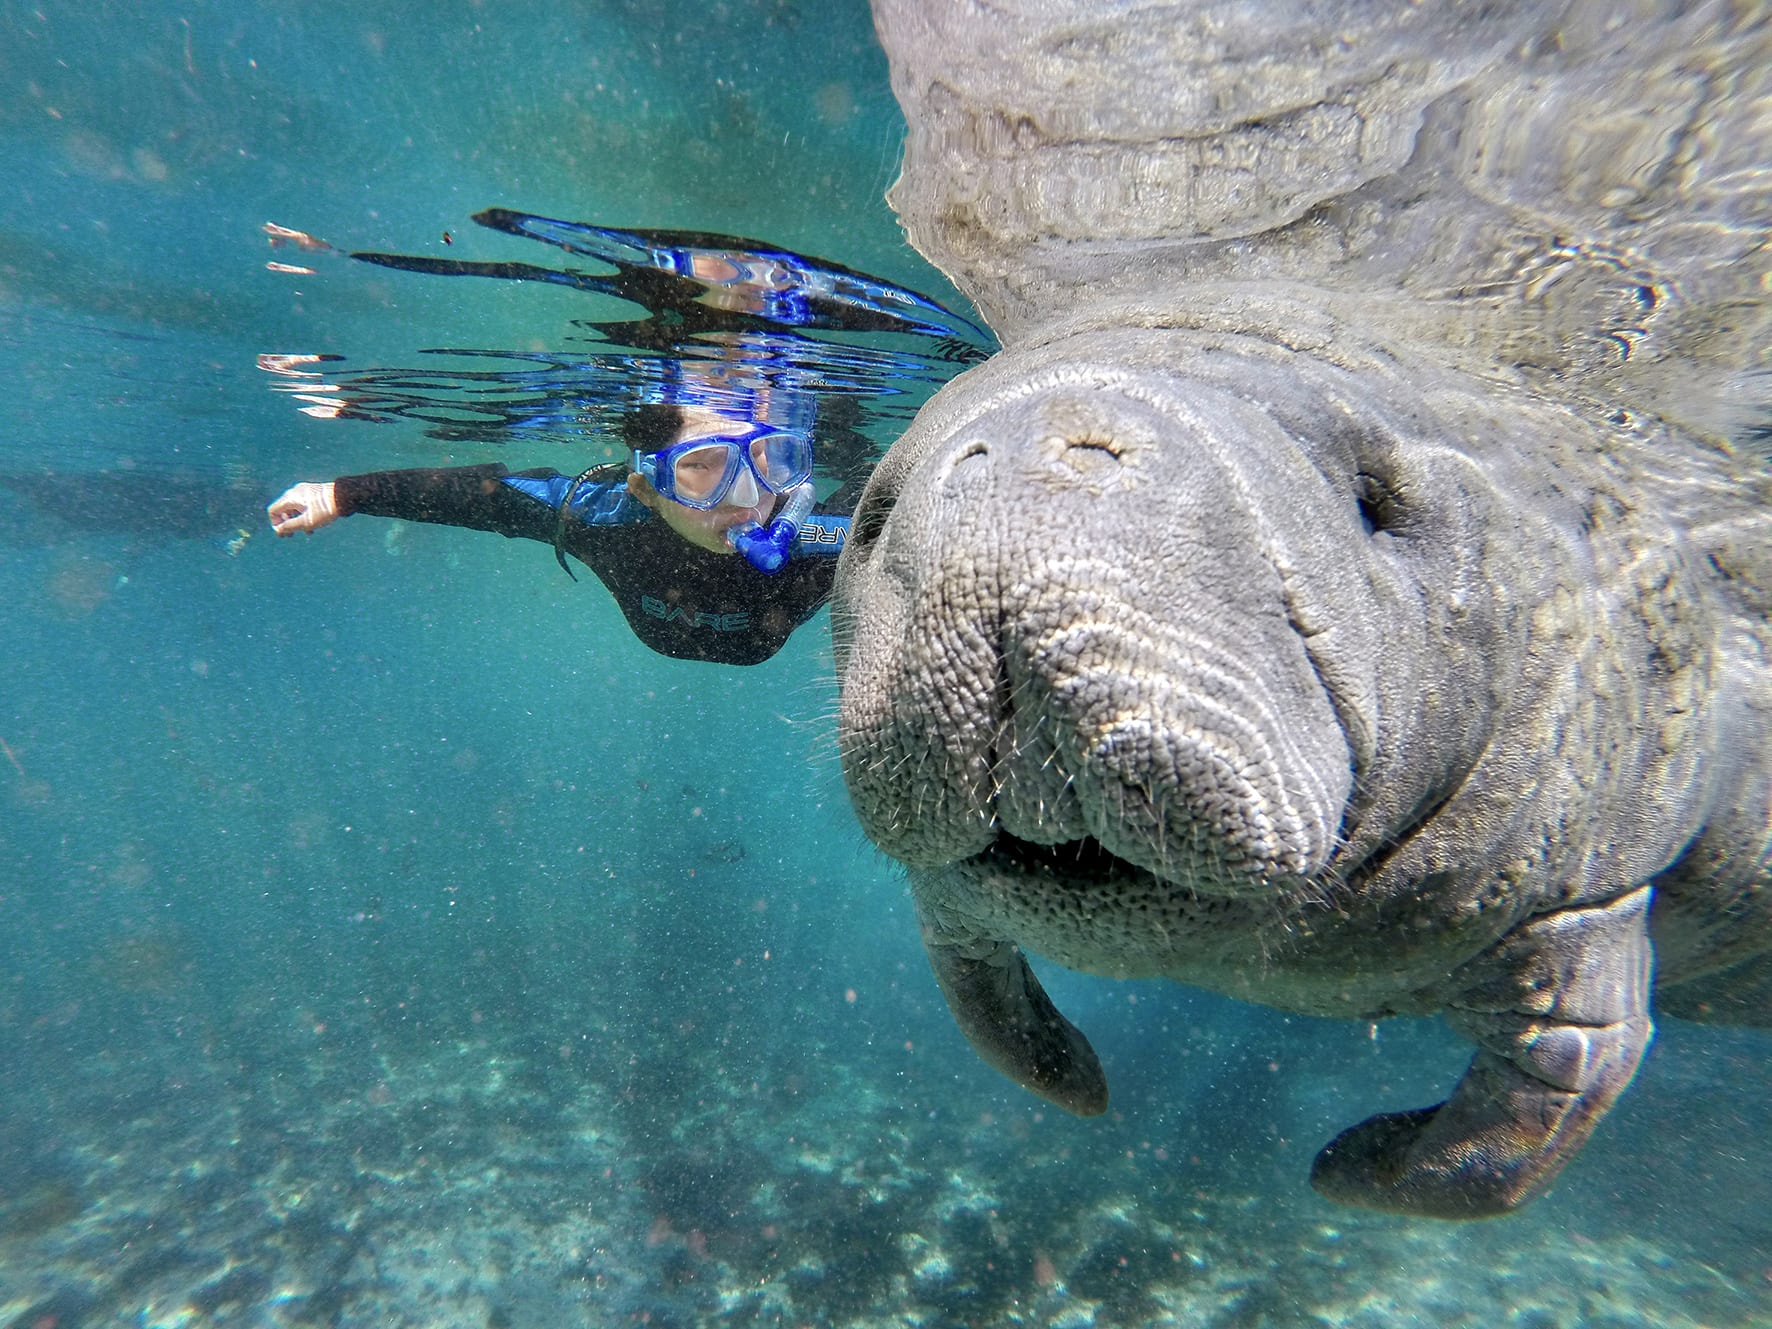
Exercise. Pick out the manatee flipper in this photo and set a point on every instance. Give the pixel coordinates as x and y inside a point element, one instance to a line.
<point>1012,1023</point>
<point>1559,1009</point>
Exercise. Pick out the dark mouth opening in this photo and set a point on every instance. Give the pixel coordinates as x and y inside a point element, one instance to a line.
<point>1085,859</point>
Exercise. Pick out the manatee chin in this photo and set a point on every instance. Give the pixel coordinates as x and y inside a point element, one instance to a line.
<point>1086,908</point>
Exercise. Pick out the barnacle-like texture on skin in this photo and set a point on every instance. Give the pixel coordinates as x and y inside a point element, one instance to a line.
<point>1337,593</point>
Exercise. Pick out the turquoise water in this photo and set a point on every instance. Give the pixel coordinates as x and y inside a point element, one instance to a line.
<point>390,940</point>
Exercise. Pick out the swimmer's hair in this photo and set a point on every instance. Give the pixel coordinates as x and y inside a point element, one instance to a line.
<point>652,426</point>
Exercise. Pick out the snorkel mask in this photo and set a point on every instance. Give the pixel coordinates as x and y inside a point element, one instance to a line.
<point>703,473</point>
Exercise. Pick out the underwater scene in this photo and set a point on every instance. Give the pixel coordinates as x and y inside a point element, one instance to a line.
<point>391,936</point>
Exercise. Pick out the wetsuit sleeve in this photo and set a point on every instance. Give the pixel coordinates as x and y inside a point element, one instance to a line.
<point>821,535</point>
<point>472,496</point>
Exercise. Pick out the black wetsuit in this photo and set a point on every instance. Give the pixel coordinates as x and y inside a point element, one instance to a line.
<point>680,600</point>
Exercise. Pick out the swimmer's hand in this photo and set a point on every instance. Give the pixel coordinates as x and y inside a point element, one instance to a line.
<point>305,507</point>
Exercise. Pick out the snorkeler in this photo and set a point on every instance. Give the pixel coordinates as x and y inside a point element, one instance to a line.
<point>711,537</point>
<point>666,533</point>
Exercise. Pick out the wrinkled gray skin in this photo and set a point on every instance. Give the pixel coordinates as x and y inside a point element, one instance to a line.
<point>1339,592</point>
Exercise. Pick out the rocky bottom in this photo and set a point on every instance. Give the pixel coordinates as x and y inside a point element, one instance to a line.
<point>484,1186</point>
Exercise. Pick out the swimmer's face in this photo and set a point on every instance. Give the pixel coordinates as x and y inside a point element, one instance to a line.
<point>705,530</point>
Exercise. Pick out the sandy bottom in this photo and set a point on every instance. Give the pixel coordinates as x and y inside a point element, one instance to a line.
<point>483,1186</point>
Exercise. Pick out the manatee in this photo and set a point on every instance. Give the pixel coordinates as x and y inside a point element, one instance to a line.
<point>1348,588</point>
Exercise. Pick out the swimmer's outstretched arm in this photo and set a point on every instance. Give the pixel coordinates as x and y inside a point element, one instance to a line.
<point>482,498</point>
<point>304,507</point>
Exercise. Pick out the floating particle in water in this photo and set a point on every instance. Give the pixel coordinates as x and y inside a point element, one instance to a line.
<point>79,588</point>
<point>283,235</point>
<point>835,103</point>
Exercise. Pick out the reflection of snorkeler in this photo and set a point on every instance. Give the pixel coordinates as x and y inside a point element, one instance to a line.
<point>711,539</point>
<point>696,282</point>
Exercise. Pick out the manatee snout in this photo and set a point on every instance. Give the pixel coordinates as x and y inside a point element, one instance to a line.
<point>1069,616</point>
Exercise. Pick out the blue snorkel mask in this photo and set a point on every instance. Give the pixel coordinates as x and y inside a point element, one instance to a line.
<point>701,473</point>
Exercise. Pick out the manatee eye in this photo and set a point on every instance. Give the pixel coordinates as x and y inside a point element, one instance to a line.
<point>1376,497</point>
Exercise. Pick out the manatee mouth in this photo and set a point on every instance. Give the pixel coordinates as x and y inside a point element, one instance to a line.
<point>1085,862</point>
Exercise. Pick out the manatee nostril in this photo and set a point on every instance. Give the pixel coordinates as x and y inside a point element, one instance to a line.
<point>974,452</point>
<point>1094,443</point>
<point>1092,455</point>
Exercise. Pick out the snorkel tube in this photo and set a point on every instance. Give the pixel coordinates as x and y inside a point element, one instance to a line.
<point>765,548</point>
